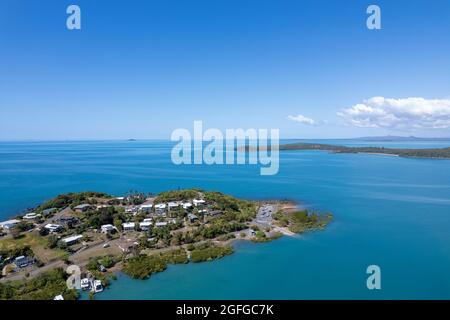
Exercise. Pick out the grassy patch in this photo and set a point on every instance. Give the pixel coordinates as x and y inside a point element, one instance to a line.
<point>177,256</point>
<point>210,253</point>
<point>36,243</point>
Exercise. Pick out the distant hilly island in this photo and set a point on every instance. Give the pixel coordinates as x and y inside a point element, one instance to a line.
<point>400,138</point>
<point>432,153</point>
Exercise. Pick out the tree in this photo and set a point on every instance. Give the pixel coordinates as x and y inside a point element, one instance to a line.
<point>43,232</point>
<point>52,241</point>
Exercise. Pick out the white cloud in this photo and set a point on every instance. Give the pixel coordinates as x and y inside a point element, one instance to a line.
<point>408,113</point>
<point>302,119</point>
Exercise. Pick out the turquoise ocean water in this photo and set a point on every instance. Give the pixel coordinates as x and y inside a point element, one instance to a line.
<point>389,211</point>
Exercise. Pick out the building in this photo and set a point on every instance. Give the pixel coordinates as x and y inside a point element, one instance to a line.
<point>160,224</point>
<point>48,212</point>
<point>31,216</point>
<point>192,217</point>
<point>128,226</point>
<point>107,228</point>
<point>58,297</point>
<point>198,202</point>
<point>173,205</point>
<point>147,208</point>
<point>66,220</point>
<point>23,261</point>
<point>53,227</point>
<point>160,208</point>
<point>186,205</point>
<point>82,207</point>
<point>9,224</point>
<point>72,239</point>
<point>145,225</point>
<point>131,209</point>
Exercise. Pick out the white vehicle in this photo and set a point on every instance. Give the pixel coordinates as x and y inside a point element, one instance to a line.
<point>106,245</point>
<point>98,287</point>
<point>85,284</point>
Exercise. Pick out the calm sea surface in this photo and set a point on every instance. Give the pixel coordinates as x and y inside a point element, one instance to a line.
<point>389,211</point>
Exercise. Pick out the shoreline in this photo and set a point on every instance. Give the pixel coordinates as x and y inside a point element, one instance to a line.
<point>214,232</point>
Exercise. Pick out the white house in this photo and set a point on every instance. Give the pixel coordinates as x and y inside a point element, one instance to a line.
<point>160,208</point>
<point>173,205</point>
<point>198,202</point>
<point>145,225</point>
<point>131,209</point>
<point>161,224</point>
<point>82,207</point>
<point>31,216</point>
<point>187,205</point>
<point>58,297</point>
<point>53,227</point>
<point>146,208</point>
<point>128,226</point>
<point>73,239</point>
<point>9,224</point>
<point>107,228</point>
<point>47,212</point>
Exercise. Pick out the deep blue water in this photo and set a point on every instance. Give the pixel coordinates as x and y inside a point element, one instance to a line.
<point>389,211</point>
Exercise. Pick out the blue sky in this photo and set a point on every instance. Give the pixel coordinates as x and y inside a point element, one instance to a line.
<point>140,69</point>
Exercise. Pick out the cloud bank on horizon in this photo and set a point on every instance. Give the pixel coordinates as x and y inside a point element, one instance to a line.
<point>407,113</point>
<point>390,113</point>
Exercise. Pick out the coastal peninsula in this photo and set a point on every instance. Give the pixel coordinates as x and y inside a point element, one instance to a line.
<point>432,153</point>
<point>138,234</point>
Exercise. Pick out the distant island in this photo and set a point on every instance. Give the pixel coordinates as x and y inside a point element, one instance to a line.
<point>431,153</point>
<point>400,138</point>
<point>435,153</point>
<point>138,234</point>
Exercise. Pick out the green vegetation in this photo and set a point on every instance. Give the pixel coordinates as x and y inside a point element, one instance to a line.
<point>177,256</point>
<point>44,287</point>
<point>107,215</point>
<point>143,266</point>
<point>210,253</point>
<point>36,243</point>
<point>301,221</point>
<point>106,261</point>
<point>232,209</point>
<point>71,199</point>
<point>177,195</point>
<point>260,236</point>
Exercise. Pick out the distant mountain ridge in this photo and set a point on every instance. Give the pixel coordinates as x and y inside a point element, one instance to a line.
<point>400,138</point>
